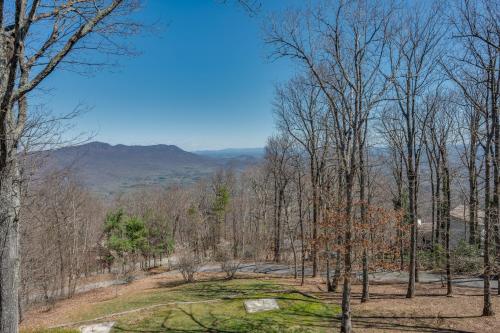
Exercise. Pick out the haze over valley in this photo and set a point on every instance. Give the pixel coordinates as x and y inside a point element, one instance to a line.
<point>111,169</point>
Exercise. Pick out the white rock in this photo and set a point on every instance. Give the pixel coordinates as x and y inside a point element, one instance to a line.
<point>97,328</point>
<point>263,304</point>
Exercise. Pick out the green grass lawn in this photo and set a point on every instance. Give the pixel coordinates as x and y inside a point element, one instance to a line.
<point>168,293</point>
<point>224,313</point>
<point>297,313</point>
<point>52,330</point>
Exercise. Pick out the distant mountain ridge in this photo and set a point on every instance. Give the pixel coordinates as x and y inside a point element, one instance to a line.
<point>233,152</point>
<point>110,169</point>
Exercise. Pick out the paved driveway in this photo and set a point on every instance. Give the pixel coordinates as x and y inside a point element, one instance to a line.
<point>402,277</point>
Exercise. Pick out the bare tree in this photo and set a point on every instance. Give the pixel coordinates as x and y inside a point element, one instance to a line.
<point>278,156</point>
<point>301,113</point>
<point>394,138</point>
<point>299,175</point>
<point>414,58</point>
<point>37,37</point>
<point>343,54</point>
<point>469,120</point>
<point>476,71</point>
<point>61,225</point>
<point>438,135</point>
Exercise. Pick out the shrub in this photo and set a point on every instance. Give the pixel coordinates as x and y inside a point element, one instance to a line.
<point>230,267</point>
<point>228,264</point>
<point>188,263</point>
<point>466,258</point>
<point>433,259</point>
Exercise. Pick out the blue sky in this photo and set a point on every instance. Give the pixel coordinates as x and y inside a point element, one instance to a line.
<point>203,82</point>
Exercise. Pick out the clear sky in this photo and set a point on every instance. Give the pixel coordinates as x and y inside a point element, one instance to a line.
<point>203,82</point>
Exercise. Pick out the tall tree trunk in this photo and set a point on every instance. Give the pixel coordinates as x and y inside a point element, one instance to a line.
<point>329,286</point>
<point>472,211</point>
<point>433,204</point>
<point>413,221</point>
<point>447,196</point>
<point>346,325</point>
<point>439,214</point>
<point>315,199</point>
<point>302,238</point>
<point>338,270</point>
<point>487,306</point>
<point>473,239</point>
<point>276,217</point>
<point>277,238</point>
<point>9,240</point>
<point>302,247</point>
<point>365,295</point>
<point>9,201</point>
<point>496,161</point>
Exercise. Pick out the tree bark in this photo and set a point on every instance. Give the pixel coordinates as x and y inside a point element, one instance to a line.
<point>473,239</point>
<point>447,196</point>
<point>315,202</point>
<point>346,325</point>
<point>9,201</point>
<point>487,306</point>
<point>9,254</point>
<point>365,295</point>
<point>411,212</point>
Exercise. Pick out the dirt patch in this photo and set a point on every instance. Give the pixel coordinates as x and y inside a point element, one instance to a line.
<point>388,310</point>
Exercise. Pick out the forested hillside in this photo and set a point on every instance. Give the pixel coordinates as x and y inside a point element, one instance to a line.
<point>109,169</point>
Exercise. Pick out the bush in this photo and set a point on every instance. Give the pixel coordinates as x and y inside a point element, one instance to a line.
<point>230,267</point>
<point>432,259</point>
<point>228,264</point>
<point>188,263</point>
<point>466,258</point>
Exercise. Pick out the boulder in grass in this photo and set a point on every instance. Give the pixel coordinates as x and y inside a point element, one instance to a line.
<point>97,328</point>
<point>262,304</point>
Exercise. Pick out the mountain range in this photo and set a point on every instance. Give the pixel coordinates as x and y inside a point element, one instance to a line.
<point>112,169</point>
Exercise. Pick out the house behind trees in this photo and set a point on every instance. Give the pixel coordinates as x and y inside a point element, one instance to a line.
<point>459,227</point>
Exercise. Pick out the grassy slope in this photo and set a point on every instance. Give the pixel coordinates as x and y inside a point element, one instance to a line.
<point>52,330</point>
<point>297,313</point>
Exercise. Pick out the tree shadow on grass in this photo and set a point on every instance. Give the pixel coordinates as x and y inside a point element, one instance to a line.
<point>216,323</point>
<point>170,284</point>
<point>214,289</point>
<point>296,321</point>
<point>295,317</point>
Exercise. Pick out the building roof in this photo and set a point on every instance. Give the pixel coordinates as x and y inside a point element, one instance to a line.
<point>425,226</point>
<point>461,212</point>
